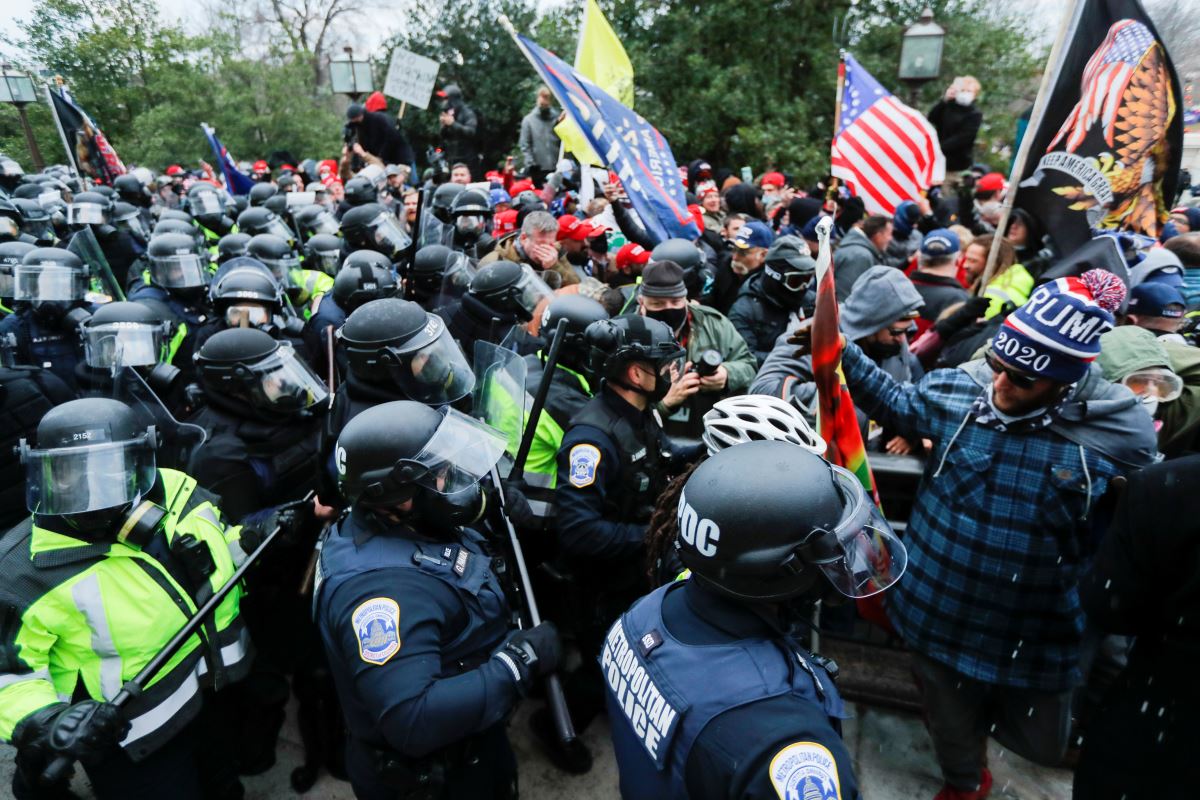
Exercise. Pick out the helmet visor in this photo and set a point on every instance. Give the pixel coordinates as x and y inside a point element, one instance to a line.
<point>461,452</point>
<point>6,281</point>
<point>180,271</point>
<point>435,374</point>
<point>85,214</point>
<point>122,344</point>
<point>286,383</point>
<point>203,203</point>
<point>458,275</point>
<point>135,225</point>
<point>247,315</point>
<point>40,229</point>
<point>388,235</point>
<point>9,227</point>
<point>322,223</point>
<point>72,480</point>
<point>282,268</point>
<point>862,557</point>
<point>325,260</point>
<point>532,290</point>
<point>48,283</point>
<point>277,227</point>
<point>1159,384</point>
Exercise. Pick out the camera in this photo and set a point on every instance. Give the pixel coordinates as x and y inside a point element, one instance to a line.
<point>707,364</point>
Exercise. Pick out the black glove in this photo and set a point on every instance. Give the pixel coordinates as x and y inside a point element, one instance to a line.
<point>517,506</point>
<point>970,311</point>
<point>530,654</point>
<point>290,518</point>
<point>82,732</point>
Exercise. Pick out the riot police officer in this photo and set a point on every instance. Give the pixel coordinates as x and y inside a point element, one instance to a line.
<point>26,394</point>
<point>246,294</point>
<point>260,193</point>
<point>125,552</point>
<point>302,285</point>
<point>729,702</point>
<point>256,220</point>
<point>129,218</point>
<point>502,297</point>
<point>570,390</point>
<point>366,276</point>
<point>11,254</point>
<point>372,227</point>
<point>359,191</point>
<point>232,245</point>
<point>177,280</point>
<point>93,210</point>
<point>207,206</point>
<point>48,307</point>
<point>412,614</point>
<point>323,253</point>
<point>134,335</point>
<point>36,222</point>
<point>438,276</point>
<point>314,220</point>
<point>472,214</point>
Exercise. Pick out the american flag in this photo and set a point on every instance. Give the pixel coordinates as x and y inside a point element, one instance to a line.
<point>884,151</point>
<point>1104,80</point>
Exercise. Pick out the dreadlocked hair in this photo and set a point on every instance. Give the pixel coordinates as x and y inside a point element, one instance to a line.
<point>664,528</point>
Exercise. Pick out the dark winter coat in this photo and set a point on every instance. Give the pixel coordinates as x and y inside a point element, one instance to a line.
<point>956,128</point>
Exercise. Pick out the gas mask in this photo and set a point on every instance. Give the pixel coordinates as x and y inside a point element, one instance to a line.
<point>964,98</point>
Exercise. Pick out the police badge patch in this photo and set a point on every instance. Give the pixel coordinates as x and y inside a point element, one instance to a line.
<point>805,771</point>
<point>583,460</point>
<point>377,624</point>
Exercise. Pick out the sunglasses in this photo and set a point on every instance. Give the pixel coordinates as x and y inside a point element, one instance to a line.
<point>896,333</point>
<point>1021,380</point>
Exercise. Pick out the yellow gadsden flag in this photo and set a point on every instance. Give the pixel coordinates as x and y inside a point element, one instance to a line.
<point>601,59</point>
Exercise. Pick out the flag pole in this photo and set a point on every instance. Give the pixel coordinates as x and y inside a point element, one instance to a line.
<point>831,191</point>
<point>1053,66</point>
<point>62,134</point>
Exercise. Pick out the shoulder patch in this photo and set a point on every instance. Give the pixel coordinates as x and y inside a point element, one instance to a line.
<point>805,770</point>
<point>583,460</point>
<point>377,625</point>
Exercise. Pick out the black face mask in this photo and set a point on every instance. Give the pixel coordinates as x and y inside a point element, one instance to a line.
<point>578,259</point>
<point>544,112</point>
<point>675,318</point>
<point>879,351</point>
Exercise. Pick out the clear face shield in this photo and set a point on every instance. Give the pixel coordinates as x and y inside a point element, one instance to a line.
<point>435,374</point>
<point>325,260</point>
<point>532,290</point>
<point>388,235</point>
<point>9,227</point>
<point>85,214</point>
<point>135,225</point>
<point>207,204</point>
<point>123,344</point>
<point>456,280</point>
<point>40,284</point>
<point>283,382</point>
<point>75,480</point>
<point>282,268</point>
<point>470,224</point>
<point>322,223</point>
<point>1153,386</point>
<point>277,227</point>
<point>184,270</point>
<point>247,315</point>
<point>862,556</point>
<point>6,280</point>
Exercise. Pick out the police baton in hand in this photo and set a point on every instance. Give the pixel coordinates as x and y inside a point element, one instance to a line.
<point>555,699</point>
<point>59,770</point>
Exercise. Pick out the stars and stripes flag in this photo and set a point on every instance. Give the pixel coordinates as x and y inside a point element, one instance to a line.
<point>236,181</point>
<point>884,151</point>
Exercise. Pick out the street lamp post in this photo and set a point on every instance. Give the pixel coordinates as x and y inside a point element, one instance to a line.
<point>17,88</point>
<point>921,53</point>
<point>350,76</point>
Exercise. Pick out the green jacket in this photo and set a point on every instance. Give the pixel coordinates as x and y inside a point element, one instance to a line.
<point>78,615</point>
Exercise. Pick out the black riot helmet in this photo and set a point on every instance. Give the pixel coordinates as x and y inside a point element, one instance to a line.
<point>472,212</point>
<point>174,225</point>
<point>11,254</point>
<point>175,214</point>
<point>315,219</point>
<point>579,312</point>
<point>107,191</point>
<point>10,220</point>
<point>686,255</point>
<point>360,191</point>
<point>258,220</point>
<point>400,451</point>
<point>175,262</point>
<point>323,253</point>
<point>232,245</point>
<point>279,205</point>
<point>831,528</point>
<point>395,342</point>
<point>365,276</point>
<point>510,288</point>
<point>276,254</point>
<point>246,370</point>
<point>132,191</point>
<point>89,208</point>
<point>123,334</point>
<point>51,277</point>
<point>35,221</point>
<point>442,204</point>
<point>428,269</point>
<point>88,456</point>
<point>618,342</point>
<point>246,295</point>
<point>128,217</point>
<point>11,173</point>
<point>260,193</point>
<point>373,227</point>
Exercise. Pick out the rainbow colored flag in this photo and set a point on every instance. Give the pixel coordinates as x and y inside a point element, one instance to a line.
<point>836,419</point>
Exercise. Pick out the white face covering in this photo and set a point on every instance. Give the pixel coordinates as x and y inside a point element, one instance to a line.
<point>964,98</point>
<point>1149,404</point>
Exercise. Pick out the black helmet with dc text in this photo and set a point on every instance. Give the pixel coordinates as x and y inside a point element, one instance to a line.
<point>826,534</point>
<point>365,276</point>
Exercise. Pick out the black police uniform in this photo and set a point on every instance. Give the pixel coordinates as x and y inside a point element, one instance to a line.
<point>707,701</point>
<point>409,625</point>
<point>317,331</point>
<point>470,320</point>
<point>355,396</point>
<point>185,317</point>
<point>26,394</point>
<point>46,342</point>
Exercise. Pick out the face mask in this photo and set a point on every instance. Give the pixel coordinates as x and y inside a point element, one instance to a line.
<point>662,385</point>
<point>675,318</point>
<point>1149,404</point>
<point>879,351</point>
<point>964,98</point>
<point>543,111</point>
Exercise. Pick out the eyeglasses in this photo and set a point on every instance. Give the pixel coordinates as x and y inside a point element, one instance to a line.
<point>1021,380</point>
<point>896,333</point>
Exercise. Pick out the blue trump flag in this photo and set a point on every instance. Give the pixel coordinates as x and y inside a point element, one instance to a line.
<point>236,181</point>
<point>626,143</point>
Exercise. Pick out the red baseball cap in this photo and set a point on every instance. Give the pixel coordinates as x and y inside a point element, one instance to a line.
<point>287,168</point>
<point>261,166</point>
<point>440,93</point>
<point>517,187</point>
<point>707,188</point>
<point>504,222</point>
<point>174,170</point>
<point>572,227</point>
<point>631,253</point>
<point>327,165</point>
<point>992,182</point>
<point>773,179</point>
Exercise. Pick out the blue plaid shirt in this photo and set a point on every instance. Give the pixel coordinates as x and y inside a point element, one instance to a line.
<point>997,537</point>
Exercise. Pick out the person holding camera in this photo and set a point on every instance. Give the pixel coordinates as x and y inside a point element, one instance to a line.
<point>459,129</point>
<point>956,119</point>
<point>377,135</point>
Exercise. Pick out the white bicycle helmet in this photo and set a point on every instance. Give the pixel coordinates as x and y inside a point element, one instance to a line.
<point>752,417</point>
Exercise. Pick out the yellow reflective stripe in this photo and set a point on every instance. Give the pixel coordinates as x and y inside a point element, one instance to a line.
<point>86,595</point>
<point>176,342</point>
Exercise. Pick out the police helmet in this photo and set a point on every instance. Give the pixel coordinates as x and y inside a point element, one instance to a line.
<point>206,203</point>
<point>11,254</point>
<point>373,227</point>
<point>359,191</point>
<point>260,193</point>
<point>278,205</point>
<point>810,518</point>
<point>686,255</point>
<point>323,253</point>
<point>180,227</point>
<point>175,214</point>
<point>10,173</point>
<point>107,191</point>
<point>276,253</point>
<point>232,245</point>
<point>132,190</point>
<point>471,202</point>
<point>123,334</point>
<point>508,287</point>
<point>89,208</point>
<point>395,452</point>
<point>10,220</point>
<point>615,343</point>
<point>428,267</point>
<point>314,219</point>
<point>175,262</point>
<point>579,312</point>
<point>128,217</point>
<point>88,455</point>
<point>442,202</point>
<point>365,276</point>
<point>256,220</point>
<point>396,342</point>
<point>251,367</point>
<point>49,275</point>
<point>246,294</point>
